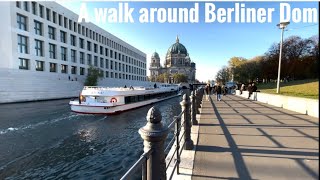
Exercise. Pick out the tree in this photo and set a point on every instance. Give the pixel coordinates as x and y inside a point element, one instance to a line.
<point>94,74</point>
<point>223,75</point>
<point>178,78</point>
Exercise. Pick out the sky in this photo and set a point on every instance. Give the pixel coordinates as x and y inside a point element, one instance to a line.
<point>210,45</point>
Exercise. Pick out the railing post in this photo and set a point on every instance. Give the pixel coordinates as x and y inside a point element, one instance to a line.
<point>185,106</point>
<point>193,109</point>
<point>177,130</point>
<point>154,135</point>
<point>197,101</point>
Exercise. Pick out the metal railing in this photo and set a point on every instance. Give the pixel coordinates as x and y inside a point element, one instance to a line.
<point>155,134</point>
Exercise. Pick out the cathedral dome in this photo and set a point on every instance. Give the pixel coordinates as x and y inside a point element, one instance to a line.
<point>155,55</point>
<point>177,48</point>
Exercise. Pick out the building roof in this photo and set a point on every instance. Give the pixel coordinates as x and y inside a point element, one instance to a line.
<point>177,48</point>
<point>155,55</point>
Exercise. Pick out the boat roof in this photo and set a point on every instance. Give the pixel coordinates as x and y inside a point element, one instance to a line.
<point>121,91</point>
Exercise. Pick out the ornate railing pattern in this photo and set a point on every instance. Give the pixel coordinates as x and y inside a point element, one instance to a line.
<point>154,134</point>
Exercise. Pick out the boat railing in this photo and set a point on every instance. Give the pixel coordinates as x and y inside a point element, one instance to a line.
<point>157,162</point>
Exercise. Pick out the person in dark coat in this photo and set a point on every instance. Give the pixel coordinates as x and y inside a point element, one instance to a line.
<point>249,90</point>
<point>207,89</point>
<point>254,89</point>
<point>218,91</point>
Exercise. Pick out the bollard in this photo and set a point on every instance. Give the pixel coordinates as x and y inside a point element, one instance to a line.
<point>185,106</point>
<point>193,109</point>
<point>154,135</point>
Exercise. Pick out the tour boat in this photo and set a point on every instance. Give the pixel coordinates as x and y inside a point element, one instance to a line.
<point>107,100</point>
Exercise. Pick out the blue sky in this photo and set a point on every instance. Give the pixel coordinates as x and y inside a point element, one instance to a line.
<point>210,45</point>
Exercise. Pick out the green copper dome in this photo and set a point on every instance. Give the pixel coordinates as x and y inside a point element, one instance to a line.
<point>155,55</point>
<point>177,48</point>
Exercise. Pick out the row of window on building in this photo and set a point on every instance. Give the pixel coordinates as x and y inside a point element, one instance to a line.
<point>40,66</point>
<point>52,35</point>
<point>66,23</point>
<point>95,61</point>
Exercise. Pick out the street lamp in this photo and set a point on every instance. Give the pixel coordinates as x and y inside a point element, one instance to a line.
<point>282,26</point>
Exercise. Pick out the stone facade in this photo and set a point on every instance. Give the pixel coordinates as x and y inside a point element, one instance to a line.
<point>177,61</point>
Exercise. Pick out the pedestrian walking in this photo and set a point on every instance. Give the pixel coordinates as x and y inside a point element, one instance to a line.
<point>254,90</point>
<point>207,90</point>
<point>241,89</point>
<point>219,92</point>
<point>249,90</point>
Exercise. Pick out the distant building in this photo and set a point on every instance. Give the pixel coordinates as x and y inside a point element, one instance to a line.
<point>177,61</point>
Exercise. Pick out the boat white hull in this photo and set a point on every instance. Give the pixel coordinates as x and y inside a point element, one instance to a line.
<point>101,109</point>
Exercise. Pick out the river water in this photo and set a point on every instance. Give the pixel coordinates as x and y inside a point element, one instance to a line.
<point>45,140</point>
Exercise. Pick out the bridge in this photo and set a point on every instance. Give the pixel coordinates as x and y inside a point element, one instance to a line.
<point>237,138</point>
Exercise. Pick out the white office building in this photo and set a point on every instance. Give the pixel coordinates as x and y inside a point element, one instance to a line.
<point>46,53</point>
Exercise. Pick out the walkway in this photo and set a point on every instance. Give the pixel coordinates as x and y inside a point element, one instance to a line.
<point>242,139</point>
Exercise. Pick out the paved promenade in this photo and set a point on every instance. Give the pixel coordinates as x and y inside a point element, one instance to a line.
<point>244,139</point>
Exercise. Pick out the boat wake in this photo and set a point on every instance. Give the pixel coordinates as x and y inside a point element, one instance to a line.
<point>70,116</point>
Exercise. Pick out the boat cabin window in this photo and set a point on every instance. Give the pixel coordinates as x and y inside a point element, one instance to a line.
<point>138,98</point>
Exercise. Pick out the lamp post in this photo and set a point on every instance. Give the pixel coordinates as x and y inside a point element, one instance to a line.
<point>282,26</point>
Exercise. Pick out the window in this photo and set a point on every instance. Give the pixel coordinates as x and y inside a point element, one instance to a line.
<point>41,9</point>
<point>73,40</point>
<point>70,24</point>
<point>79,29</point>
<point>73,70</point>
<point>63,54</point>
<point>64,68</point>
<point>107,74</point>
<point>26,6</point>
<point>38,27</point>
<point>48,13</point>
<point>73,56</point>
<point>65,21</point>
<point>95,60</point>
<point>53,67</point>
<point>63,37</point>
<point>60,20</point>
<point>95,48</point>
<point>39,47</point>
<point>52,51</point>
<point>81,43</point>
<point>107,63</point>
<point>81,58</point>
<point>18,4</point>
<point>52,32</point>
<point>88,45</point>
<point>34,8</point>
<point>22,22</point>
<point>111,64</point>
<point>39,66</point>
<point>89,59</point>
<point>22,44</point>
<point>111,53</point>
<point>106,51</point>
<point>101,50</point>
<point>101,62</point>
<point>75,27</point>
<point>24,63</point>
<point>54,14</point>
<point>82,71</point>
